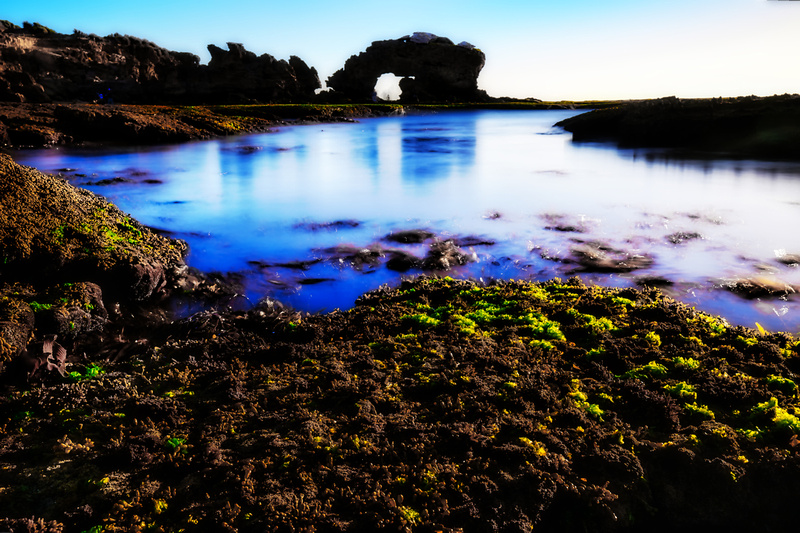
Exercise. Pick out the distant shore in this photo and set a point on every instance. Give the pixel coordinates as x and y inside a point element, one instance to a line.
<point>66,124</point>
<point>742,127</point>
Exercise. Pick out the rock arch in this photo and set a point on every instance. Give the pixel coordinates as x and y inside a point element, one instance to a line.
<point>434,70</point>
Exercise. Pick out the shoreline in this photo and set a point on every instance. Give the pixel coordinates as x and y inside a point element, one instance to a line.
<point>42,125</point>
<point>439,405</point>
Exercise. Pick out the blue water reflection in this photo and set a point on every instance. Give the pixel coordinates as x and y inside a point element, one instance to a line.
<point>290,210</point>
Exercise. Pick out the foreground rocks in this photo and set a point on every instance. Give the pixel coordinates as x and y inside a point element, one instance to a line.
<point>439,406</point>
<point>66,254</point>
<point>739,127</point>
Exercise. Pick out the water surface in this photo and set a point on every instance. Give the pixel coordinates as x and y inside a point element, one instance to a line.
<point>266,205</point>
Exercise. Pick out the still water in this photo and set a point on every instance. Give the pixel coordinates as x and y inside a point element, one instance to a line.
<point>287,210</point>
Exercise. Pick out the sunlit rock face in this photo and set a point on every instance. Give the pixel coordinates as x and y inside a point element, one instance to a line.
<point>434,69</point>
<point>38,64</point>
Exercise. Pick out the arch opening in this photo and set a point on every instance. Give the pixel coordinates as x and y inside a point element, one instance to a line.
<point>387,87</point>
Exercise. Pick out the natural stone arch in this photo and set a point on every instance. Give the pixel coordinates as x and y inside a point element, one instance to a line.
<point>388,87</point>
<point>434,70</point>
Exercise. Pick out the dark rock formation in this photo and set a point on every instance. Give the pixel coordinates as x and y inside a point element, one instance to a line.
<point>434,70</point>
<point>240,76</point>
<point>744,126</point>
<point>40,65</point>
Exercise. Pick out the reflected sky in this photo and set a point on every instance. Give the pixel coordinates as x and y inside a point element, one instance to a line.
<point>249,204</point>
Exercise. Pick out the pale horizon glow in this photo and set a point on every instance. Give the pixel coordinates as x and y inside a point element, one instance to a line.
<point>565,50</point>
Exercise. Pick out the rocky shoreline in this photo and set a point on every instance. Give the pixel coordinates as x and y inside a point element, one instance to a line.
<point>439,405</point>
<point>43,125</point>
<point>435,406</point>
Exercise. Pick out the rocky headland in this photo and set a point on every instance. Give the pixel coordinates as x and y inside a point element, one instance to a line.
<point>748,126</point>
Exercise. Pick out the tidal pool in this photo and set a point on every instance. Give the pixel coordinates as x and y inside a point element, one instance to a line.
<point>292,211</point>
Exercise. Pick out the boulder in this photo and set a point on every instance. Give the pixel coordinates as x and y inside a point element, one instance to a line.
<point>433,70</point>
<point>52,232</point>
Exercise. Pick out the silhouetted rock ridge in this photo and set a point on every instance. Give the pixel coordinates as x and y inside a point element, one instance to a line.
<point>38,64</point>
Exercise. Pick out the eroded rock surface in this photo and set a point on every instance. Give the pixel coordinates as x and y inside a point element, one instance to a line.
<point>434,69</point>
<point>65,254</point>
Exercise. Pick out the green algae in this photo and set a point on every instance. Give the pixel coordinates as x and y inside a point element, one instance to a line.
<point>385,415</point>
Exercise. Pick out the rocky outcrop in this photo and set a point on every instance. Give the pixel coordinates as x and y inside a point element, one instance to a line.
<point>40,65</point>
<point>69,259</point>
<point>747,126</point>
<point>434,69</point>
<point>240,76</point>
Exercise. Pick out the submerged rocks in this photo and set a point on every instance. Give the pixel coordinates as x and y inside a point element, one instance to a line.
<point>433,70</point>
<point>602,258</point>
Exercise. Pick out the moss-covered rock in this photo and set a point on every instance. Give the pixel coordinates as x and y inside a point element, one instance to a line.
<point>51,231</point>
<point>441,405</point>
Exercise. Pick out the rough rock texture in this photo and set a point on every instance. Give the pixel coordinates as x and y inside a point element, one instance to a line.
<point>441,405</point>
<point>434,70</point>
<point>65,254</point>
<point>744,126</point>
<point>40,65</point>
<point>50,228</point>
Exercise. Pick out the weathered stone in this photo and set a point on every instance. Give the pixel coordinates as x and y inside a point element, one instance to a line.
<point>433,70</point>
<point>51,231</point>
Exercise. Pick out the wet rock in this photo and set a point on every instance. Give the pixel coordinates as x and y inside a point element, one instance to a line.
<point>445,255</point>
<point>334,225</point>
<point>681,237</point>
<point>402,261</point>
<point>412,236</point>
<point>792,260</point>
<point>653,281</point>
<point>111,181</point>
<point>562,224</point>
<point>472,240</point>
<point>299,265</point>
<point>599,257</point>
<point>356,257</point>
<point>760,287</point>
<point>313,281</point>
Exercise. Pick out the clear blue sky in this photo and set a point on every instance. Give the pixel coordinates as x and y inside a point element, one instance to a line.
<point>549,49</point>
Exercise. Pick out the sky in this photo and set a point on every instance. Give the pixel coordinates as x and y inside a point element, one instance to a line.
<point>546,49</point>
